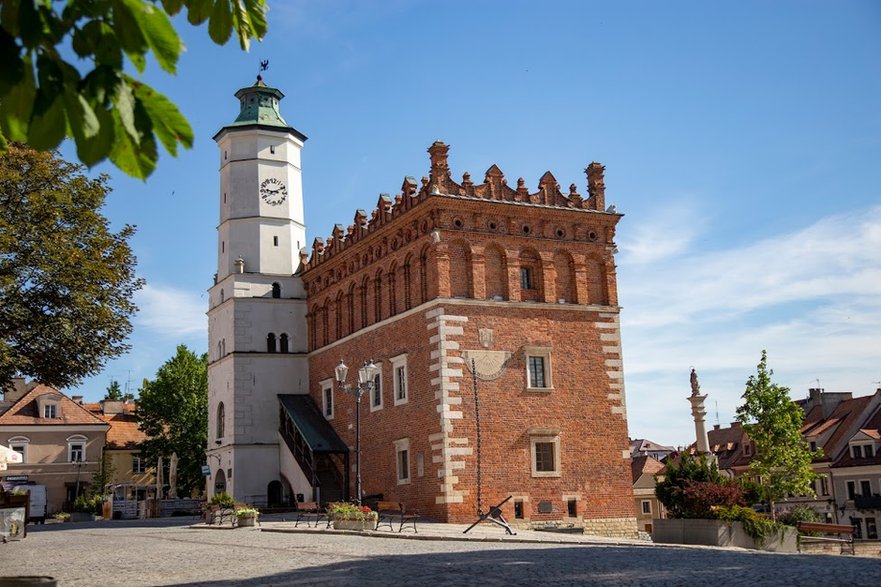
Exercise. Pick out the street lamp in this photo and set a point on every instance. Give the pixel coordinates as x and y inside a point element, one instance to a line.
<point>365,383</point>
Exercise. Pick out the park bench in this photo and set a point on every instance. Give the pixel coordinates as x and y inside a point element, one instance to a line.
<point>393,511</point>
<point>843,531</point>
<point>306,509</point>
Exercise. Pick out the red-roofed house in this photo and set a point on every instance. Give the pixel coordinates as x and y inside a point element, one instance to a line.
<point>60,441</point>
<point>131,476</point>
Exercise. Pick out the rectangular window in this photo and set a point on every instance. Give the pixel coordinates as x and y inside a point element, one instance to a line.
<point>538,368</point>
<point>856,452</point>
<point>572,507</point>
<point>865,488</point>
<point>399,375</point>
<point>813,445</point>
<point>525,278</point>
<point>20,449</point>
<point>537,372</point>
<point>327,398</point>
<point>272,149</point>
<point>376,393</point>
<point>871,529</point>
<point>518,509</point>
<point>402,460</point>
<point>647,507</point>
<point>747,449</point>
<point>544,457</point>
<point>869,451</point>
<point>275,241</point>
<point>824,485</point>
<point>851,489</point>
<point>77,453</point>
<point>50,411</point>
<point>138,464</point>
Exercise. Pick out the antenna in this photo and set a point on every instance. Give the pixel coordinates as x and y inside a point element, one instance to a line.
<point>128,382</point>
<point>717,414</point>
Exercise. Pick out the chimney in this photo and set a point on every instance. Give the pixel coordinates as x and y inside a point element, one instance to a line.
<point>77,399</point>
<point>736,425</point>
<point>715,426</point>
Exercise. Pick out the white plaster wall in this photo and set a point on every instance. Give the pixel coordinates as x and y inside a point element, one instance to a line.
<point>254,467</point>
<point>292,471</point>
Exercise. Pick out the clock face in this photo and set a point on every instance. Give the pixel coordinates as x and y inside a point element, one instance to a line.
<point>273,191</point>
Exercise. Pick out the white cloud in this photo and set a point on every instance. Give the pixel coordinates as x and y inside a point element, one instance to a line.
<point>666,232</point>
<point>171,312</point>
<point>811,297</point>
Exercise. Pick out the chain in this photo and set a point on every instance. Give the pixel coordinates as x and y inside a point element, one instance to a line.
<point>477,424</point>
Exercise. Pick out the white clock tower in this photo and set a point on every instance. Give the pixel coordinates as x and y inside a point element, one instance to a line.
<point>257,305</point>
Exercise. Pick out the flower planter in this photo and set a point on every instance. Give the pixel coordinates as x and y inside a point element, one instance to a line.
<point>247,521</point>
<point>718,533</point>
<point>354,524</point>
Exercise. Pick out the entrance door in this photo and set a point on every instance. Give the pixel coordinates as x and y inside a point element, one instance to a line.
<point>219,482</point>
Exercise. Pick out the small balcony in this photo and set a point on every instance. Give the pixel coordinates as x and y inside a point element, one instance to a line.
<point>867,502</point>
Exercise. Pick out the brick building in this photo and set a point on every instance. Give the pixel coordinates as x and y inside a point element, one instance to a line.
<point>455,290</point>
<point>521,284</point>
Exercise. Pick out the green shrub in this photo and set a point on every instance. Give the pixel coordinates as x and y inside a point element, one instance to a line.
<point>759,527</point>
<point>350,511</point>
<point>89,504</point>
<point>800,513</point>
<point>222,499</point>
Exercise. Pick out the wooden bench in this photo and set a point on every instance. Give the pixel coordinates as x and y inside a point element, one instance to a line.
<point>844,532</point>
<point>393,511</point>
<point>310,508</point>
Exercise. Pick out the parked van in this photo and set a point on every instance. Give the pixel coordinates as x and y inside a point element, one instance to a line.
<point>38,501</point>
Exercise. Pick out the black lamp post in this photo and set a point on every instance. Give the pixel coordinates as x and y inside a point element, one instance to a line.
<point>365,383</point>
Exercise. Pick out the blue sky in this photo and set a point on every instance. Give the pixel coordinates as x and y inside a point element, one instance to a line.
<point>742,141</point>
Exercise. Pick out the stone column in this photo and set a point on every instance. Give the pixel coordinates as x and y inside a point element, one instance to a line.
<point>699,412</point>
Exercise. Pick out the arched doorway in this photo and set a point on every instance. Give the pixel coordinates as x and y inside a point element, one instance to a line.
<point>274,494</point>
<point>219,482</point>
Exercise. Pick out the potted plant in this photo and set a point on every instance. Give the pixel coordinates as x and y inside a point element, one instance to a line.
<point>350,516</point>
<point>246,516</point>
<point>61,517</point>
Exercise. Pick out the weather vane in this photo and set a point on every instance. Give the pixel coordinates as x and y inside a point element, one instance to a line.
<point>264,64</point>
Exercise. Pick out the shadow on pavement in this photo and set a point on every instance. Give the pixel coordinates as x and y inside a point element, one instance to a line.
<point>582,566</point>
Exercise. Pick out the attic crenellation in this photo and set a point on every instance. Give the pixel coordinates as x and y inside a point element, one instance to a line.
<point>439,183</point>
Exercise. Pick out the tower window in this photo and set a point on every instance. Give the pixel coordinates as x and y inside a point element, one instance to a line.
<point>224,197</point>
<point>225,156</point>
<point>275,241</point>
<point>276,290</point>
<point>221,420</point>
<point>525,278</point>
<point>222,246</point>
<point>283,343</point>
<point>270,342</point>
<point>272,149</point>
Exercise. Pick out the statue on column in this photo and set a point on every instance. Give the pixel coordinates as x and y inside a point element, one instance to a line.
<point>695,386</point>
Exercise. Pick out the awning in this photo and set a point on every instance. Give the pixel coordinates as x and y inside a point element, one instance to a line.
<point>315,430</point>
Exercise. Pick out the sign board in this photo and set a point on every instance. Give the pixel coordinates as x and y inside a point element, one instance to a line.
<point>206,471</point>
<point>16,478</point>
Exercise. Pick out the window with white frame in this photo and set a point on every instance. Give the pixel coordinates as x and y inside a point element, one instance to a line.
<point>50,411</point>
<point>865,487</point>
<point>20,445</point>
<point>76,448</point>
<point>647,507</point>
<point>402,460</point>
<point>138,465</point>
<point>327,398</point>
<point>538,368</point>
<point>376,390</point>
<point>824,485</point>
<point>399,375</point>
<point>851,489</point>
<point>221,421</point>
<point>545,451</point>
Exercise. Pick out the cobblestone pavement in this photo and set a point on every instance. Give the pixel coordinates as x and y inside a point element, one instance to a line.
<point>171,552</point>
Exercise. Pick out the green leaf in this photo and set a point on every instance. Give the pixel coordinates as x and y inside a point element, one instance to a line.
<point>29,26</point>
<point>198,11</point>
<point>157,31</point>
<point>257,13</point>
<point>168,123</point>
<point>83,125</point>
<point>91,150</point>
<point>220,25</point>
<point>128,31</point>
<point>125,109</point>
<point>172,7</point>
<point>134,158</point>
<point>249,20</point>
<point>48,125</point>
